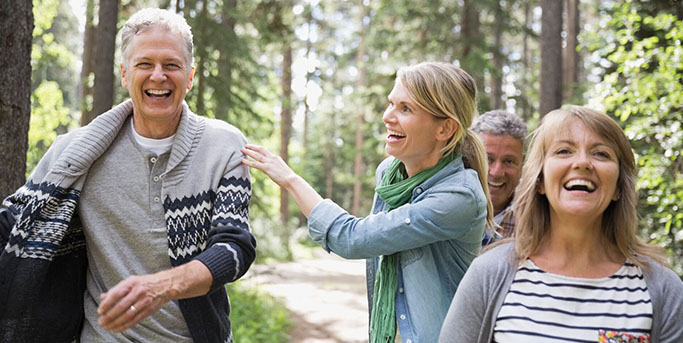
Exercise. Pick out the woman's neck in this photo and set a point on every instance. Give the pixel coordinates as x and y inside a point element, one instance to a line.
<point>578,250</point>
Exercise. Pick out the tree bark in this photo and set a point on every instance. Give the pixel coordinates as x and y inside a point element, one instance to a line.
<point>104,55</point>
<point>16,35</point>
<point>498,59</point>
<point>88,64</point>
<point>527,110</point>
<point>571,56</point>
<point>551,56</point>
<point>286,133</point>
<point>360,121</point>
<point>226,65</point>
<point>202,59</point>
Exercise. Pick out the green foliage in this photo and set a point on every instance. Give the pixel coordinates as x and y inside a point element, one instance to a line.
<point>643,88</point>
<point>48,116</point>
<point>52,64</point>
<point>256,317</point>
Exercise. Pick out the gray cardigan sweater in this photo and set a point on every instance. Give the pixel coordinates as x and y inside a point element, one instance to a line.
<point>473,312</point>
<point>205,192</point>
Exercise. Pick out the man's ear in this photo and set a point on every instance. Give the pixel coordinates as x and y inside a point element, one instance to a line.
<point>447,129</point>
<point>189,84</point>
<point>124,82</point>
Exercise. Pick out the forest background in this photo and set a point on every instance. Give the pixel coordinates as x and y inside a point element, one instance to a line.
<point>309,79</point>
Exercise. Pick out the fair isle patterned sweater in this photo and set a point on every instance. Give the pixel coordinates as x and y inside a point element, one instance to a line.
<point>206,193</point>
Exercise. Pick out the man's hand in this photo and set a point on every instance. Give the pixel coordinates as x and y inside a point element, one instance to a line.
<point>132,300</point>
<point>137,297</point>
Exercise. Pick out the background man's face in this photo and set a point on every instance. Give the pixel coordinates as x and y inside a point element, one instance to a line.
<point>157,76</point>
<point>505,155</point>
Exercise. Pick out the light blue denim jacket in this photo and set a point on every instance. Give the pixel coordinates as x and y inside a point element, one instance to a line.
<point>437,235</point>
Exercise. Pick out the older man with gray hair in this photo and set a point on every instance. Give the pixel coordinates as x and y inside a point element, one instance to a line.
<point>504,135</point>
<point>130,226</point>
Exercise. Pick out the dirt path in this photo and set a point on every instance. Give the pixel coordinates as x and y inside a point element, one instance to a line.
<point>325,295</point>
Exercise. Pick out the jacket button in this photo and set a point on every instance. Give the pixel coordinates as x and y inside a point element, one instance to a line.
<point>153,160</point>
<point>403,317</point>
<point>407,221</point>
<point>418,190</point>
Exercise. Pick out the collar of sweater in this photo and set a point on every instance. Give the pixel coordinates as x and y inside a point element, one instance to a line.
<point>94,139</point>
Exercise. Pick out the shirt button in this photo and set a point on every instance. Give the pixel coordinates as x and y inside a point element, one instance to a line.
<point>400,290</point>
<point>407,221</point>
<point>153,159</point>
<point>156,179</point>
<point>403,317</point>
<point>409,340</point>
<point>156,199</point>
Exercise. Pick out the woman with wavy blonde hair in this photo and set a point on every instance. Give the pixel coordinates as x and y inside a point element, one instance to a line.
<point>430,206</point>
<point>576,270</point>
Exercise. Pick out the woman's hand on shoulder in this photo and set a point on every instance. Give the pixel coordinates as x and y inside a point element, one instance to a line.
<point>272,165</point>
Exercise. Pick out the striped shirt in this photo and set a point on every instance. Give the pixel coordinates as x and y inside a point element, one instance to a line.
<point>545,307</point>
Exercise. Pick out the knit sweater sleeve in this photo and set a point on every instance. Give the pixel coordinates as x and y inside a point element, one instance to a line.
<point>231,248</point>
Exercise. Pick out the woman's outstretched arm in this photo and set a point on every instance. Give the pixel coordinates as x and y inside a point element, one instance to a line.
<point>304,195</point>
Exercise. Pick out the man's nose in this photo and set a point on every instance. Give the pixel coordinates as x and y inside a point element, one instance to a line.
<point>495,169</point>
<point>158,73</point>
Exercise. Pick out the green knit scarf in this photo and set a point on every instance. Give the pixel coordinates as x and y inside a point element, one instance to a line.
<point>395,189</point>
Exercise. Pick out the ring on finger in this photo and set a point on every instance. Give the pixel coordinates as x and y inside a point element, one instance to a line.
<point>133,309</point>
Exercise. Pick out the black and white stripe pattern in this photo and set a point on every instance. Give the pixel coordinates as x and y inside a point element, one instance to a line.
<point>43,212</point>
<point>545,307</point>
<point>189,219</point>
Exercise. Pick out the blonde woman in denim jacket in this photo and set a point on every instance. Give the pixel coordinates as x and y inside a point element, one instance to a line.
<point>430,207</point>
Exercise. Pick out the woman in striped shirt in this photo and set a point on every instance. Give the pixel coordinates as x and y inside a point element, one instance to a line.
<point>576,270</point>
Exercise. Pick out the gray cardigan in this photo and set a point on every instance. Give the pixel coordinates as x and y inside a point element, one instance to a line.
<point>472,315</point>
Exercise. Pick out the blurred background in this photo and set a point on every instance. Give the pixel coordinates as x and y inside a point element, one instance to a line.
<point>309,80</point>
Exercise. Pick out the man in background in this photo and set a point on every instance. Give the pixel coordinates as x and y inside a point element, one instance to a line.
<point>504,136</point>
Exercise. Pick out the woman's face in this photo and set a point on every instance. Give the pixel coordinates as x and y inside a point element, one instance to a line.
<point>580,174</point>
<point>414,136</point>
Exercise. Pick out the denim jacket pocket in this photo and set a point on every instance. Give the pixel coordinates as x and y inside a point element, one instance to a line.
<point>410,256</point>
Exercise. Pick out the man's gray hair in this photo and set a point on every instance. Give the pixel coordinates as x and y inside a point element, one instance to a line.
<point>148,18</point>
<point>499,122</point>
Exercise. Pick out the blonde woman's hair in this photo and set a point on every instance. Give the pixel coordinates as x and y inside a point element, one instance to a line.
<point>446,91</point>
<point>620,219</point>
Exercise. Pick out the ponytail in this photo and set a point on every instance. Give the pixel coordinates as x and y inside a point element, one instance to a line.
<point>474,157</point>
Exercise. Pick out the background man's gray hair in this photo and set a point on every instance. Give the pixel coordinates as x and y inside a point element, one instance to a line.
<point>499,122</point>
<point>148,18</point>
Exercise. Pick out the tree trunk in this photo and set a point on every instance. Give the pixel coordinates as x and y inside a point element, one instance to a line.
<point>571,60</point>
<point>202,64</point>
<point>470,37</point>
<point>104,56</point>
<point>329,167</point>
<point>226,65</point>
<point>285,135</point>
<point>360,86</point>
<point>469,20</point>
<point>88,64</point>
<point>527,110</point>
<point>551,56</point>
<point>498,59</point>
<point>16,34</point>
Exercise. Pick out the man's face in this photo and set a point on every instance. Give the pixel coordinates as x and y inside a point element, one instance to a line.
<point>157,76</point>
<point>505,155</point>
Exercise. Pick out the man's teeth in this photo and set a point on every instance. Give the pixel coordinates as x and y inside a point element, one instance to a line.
<point>580,184</point>
<point>496,184</point>
<point>394,133</point>
<point>158,91</point>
